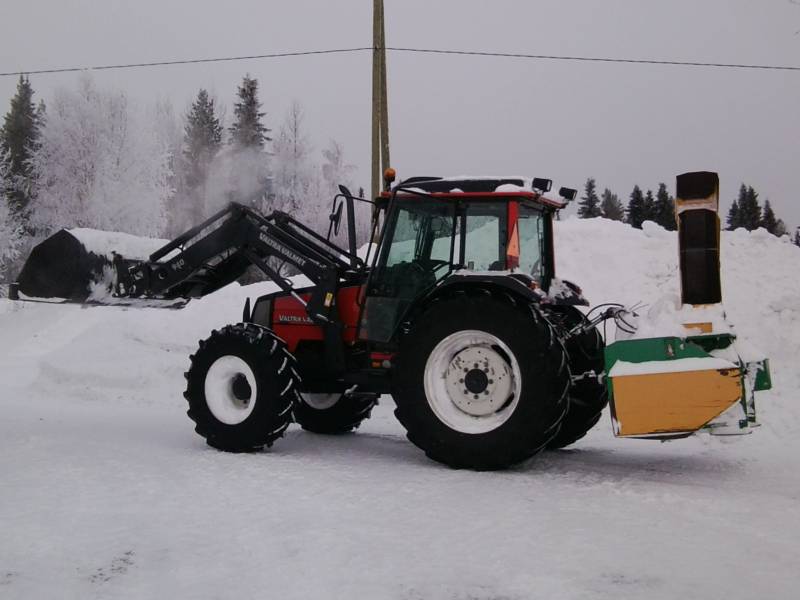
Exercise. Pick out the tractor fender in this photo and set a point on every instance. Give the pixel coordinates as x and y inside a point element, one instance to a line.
<point>464,280</point>
<point>467,283</point>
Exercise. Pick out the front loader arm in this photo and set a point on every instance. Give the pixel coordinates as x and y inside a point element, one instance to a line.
<point>219,251</point>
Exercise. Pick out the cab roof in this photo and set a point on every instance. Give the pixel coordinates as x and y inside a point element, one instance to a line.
<point>488,188</point>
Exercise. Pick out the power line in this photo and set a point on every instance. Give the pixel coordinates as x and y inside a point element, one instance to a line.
<point>163,63</point>
<point>679,63</point>
<point>515,55</point>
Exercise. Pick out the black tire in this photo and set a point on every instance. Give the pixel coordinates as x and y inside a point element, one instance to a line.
<point>344,416</point>
<point>271,367</point>
<point>544,374</point>
<point>587,396</point>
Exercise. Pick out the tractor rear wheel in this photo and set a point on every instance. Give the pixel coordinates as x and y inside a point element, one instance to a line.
<point>333,413</point>
<point>588,395</point>
<point>481,381</point>
<point>241,387</point>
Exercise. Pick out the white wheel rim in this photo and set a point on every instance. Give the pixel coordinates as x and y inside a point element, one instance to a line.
<point>321,401</point>
<point>221,400</point>
<point>455,375</point>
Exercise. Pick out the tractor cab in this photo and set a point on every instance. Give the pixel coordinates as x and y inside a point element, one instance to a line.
<point>436,230</point>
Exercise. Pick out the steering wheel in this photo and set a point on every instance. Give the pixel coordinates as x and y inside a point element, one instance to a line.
<point>431,265</point>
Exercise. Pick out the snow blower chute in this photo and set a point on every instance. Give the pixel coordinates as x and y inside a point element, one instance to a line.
<point>695,375</point>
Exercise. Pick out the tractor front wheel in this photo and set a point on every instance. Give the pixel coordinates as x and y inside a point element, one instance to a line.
<point>333,413</point>
<point>241,387</point>
<point>481,381</point>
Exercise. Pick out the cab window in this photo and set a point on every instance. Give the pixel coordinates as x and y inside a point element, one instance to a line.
<point>486,235</point>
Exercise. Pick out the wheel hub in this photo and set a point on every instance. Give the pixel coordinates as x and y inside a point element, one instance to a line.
<point>230,389</point>
<point>479,381</point>
<point>240,388</point>
<point>476,381</point>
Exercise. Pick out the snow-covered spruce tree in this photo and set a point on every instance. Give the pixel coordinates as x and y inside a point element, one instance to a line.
<point>733,221</point>
<point>636,208</point>
<point>611,207</point>
<point>202,140</point>
<point>768,219</point>
<point>19,138</point>
<point>589,206</point>
<point>100,163</point>
<point>240,171</point>
<point>749,209</point>
<point>247,130</point>
<point>664,209</point>
<point>797,237</point>
<point>649,206</point>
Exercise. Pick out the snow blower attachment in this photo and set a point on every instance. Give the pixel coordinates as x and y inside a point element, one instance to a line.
<point>672,386</point>
<point>459,316</point>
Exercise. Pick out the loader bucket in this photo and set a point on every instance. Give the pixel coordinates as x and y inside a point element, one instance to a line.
<point>75,264</point>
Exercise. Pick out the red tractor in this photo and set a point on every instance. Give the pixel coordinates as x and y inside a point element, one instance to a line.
<point>456,313</point>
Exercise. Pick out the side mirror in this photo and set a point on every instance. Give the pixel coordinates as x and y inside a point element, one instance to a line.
<point>542,184</point>
<point>336,218</point>
<point>567,194</point>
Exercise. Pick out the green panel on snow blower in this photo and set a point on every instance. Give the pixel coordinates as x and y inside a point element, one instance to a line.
<point>763,377</point>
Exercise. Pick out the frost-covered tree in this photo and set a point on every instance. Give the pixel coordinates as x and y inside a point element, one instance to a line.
<point>636,208</point>
<point>100,163</point>
<point>797,237</point>
<point>664,209</point>
<point>293,172</point>
<point>247,130</point>
<point>337,171</point>
<point>169,129</point>
<point>611,207</point>
<point>589,206</point>
<point>768,219</point>
<point>19,138</point>
<point>10,228</point>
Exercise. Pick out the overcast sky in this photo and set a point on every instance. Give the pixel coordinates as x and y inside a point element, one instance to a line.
<point>622,124</point>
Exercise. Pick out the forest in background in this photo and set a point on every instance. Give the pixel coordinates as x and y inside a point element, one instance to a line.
<point>93,157</point>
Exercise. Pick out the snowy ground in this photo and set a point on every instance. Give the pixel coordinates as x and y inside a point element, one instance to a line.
<point>106,492</point>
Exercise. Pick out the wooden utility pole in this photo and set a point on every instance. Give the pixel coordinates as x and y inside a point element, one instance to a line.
<point>380,105</point>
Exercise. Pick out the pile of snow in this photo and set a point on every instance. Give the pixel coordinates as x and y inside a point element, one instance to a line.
<point>108,492</point>
<point>104,243</point>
